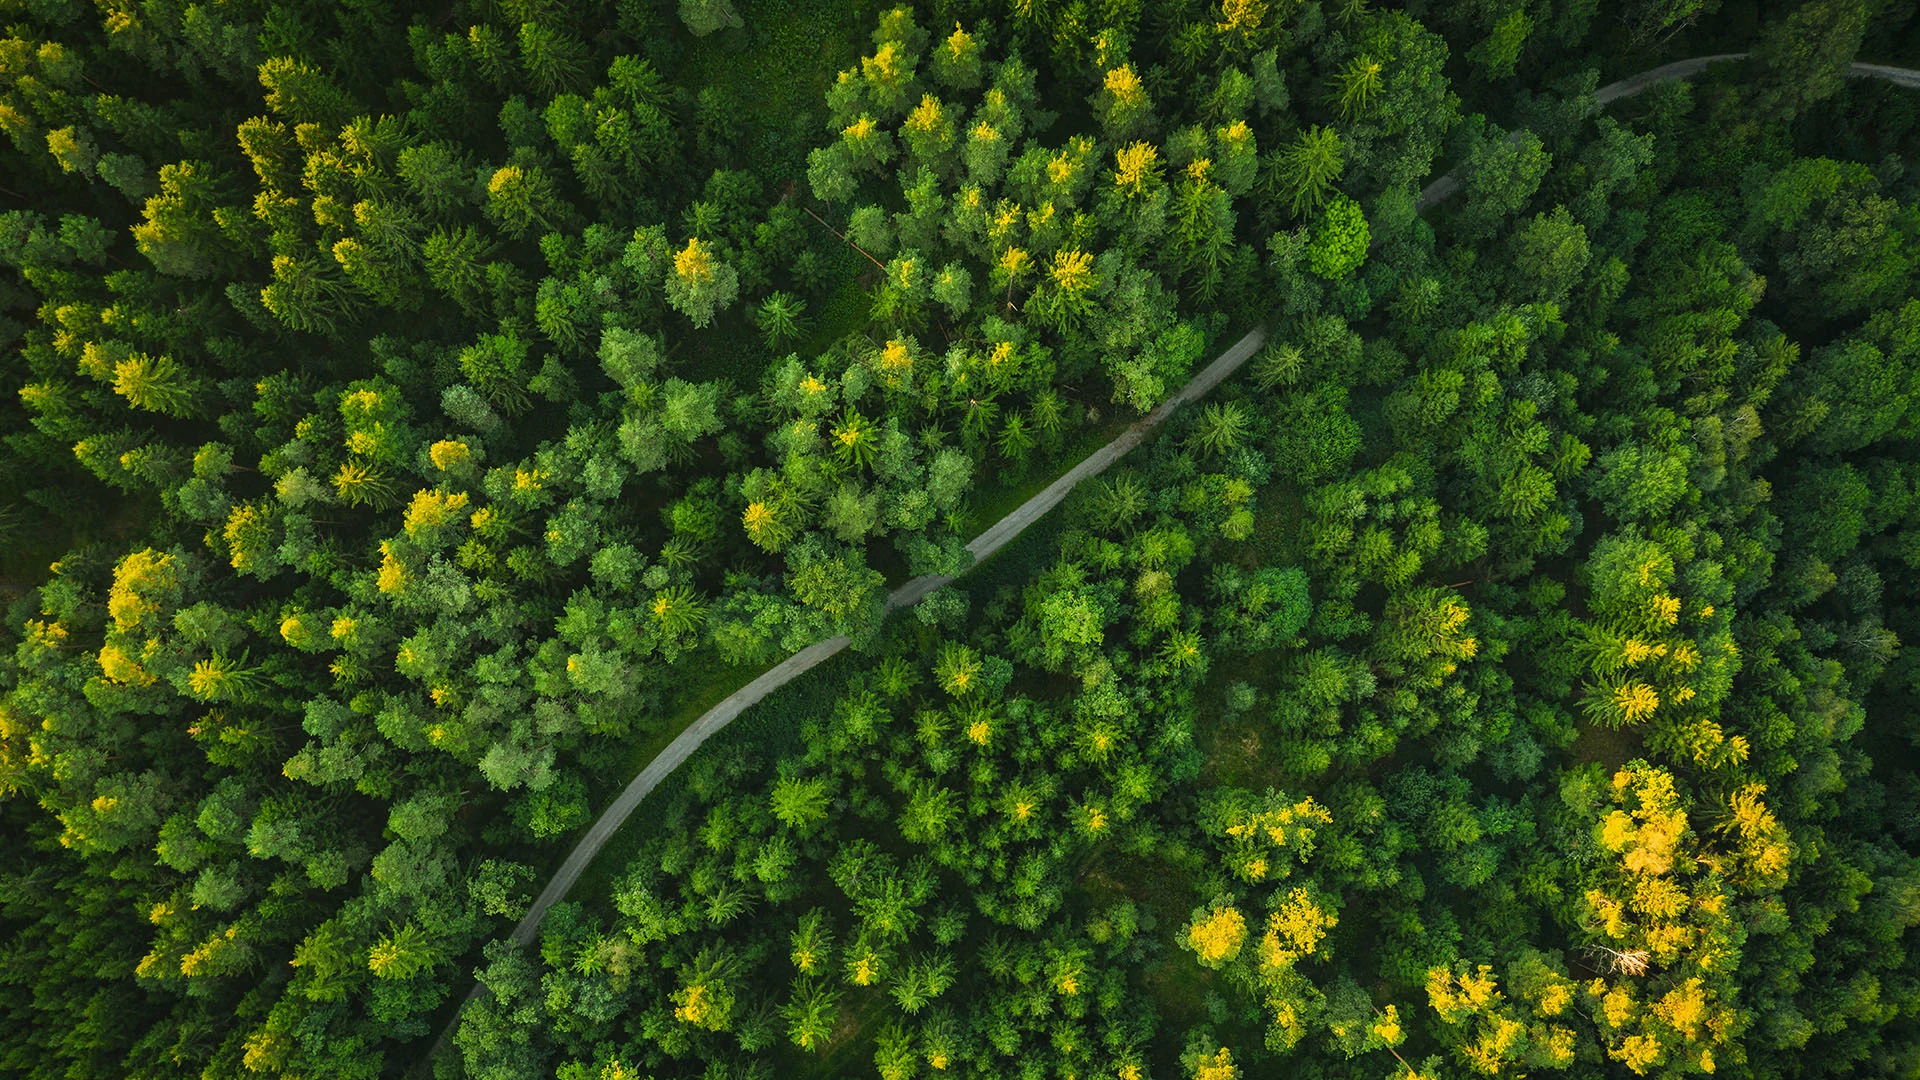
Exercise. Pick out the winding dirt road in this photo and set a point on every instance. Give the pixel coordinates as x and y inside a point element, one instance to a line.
<point>907,595</point>
<point>999,534</point>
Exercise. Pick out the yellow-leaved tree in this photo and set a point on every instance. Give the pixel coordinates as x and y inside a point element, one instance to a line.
<point>1260,838</point>
<point>1666,922</point>
<point>1656,655</point>
<point>1494,1035</point>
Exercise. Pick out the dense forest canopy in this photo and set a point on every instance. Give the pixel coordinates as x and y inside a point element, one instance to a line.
<point>418,415</point>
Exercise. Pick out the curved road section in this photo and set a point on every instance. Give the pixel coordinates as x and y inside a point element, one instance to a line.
<point>1001,532</point>
<point>997,536</point>
<point>907,595</point>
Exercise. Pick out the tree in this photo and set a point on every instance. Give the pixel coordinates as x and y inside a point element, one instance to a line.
<point>1605,164</point>
<point>1215,937</point>
<point>401,953</point>
<point>811,1013</point>
<point>958,669</point>
<point>1502,174</point>
<point>1650,22</point>
<point>1122,106</point>
<point>1308,168</point>
<point>1313,435</point>
<point>437,176</point>
<point>1549,254</point>
<point>838,585</point>
<point>1340,240</point>
<point>956,62</point>
<point>801,803</point>
<point>1832,236</point>
<point>1855,392</point>
<point>1161,362</point>
<point>1805,56</point>
<point>1638,482</point>
<point>830,174</point>
<point>1666,998</point>
<point>304,94</point>
<point>1497,53</point>
<point>521,198</point>
<point>181,234</point>
<point>700,285</point>
<point>1357,86</point>
<point>157,384</point>
<point>1220,428</point>
<point>553,60</point>
<point>779,318</point>
<point>1492,1037</point>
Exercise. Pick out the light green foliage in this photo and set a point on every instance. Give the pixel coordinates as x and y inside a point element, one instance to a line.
<point>1340,239</point>
<point>1497,53</point>
<point>1550,253</point>
<point>1637,482</point>
<point>1142,381</point>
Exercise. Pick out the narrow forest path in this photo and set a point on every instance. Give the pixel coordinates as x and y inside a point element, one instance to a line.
<point>997,536</point>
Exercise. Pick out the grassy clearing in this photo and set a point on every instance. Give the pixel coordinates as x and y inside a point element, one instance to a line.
<point>1611,747</point>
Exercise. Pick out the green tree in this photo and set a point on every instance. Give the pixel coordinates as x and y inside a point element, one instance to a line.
<point>304,94</point>
<point>779,318</point>
<point>1499,51</point>
<point>1855,392</point>
<point>1357,86</point>
<point>1637,482</point>
<point>1220,428</point>
<point>801,803</point>
<point>1804,57</point>
<point>157,384</point>
<point>1502,173</point>
<point>1650,22</point>
<point>811,1013</point>
<point>701,285</point>
<point>181,233</point>
<point>1308,168</point>
<point>554,61</point>
<point>521,198</point>
<point>1340,239</point>
<point>1548,255</point>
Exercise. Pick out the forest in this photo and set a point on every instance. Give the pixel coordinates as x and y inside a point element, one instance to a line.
<point>422,422</point>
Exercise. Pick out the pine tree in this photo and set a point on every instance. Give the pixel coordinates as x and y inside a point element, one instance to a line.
<point>701,285</point>
<point>1308,168</point>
